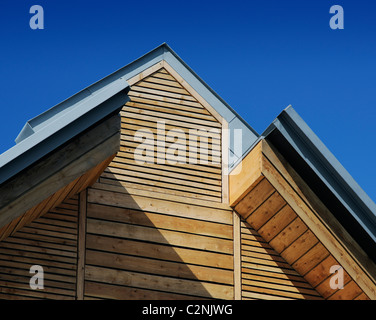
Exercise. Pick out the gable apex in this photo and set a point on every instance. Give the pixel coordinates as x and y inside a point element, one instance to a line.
<point>102,90</point>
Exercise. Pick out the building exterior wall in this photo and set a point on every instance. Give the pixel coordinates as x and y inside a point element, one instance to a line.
<point>157,223</point>
<point>50,242</point>
<point>145,246</point>
<point>265,274</point>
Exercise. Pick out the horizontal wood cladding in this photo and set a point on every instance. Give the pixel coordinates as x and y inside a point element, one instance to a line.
<point>160,229</point>
<point>272,198</point>
<point>49,241</point>
<point>265,274</point>
<point>55,199</point>
<point>181,142</point>
<point>58,169</point>
<point>277,223</point>
<point>141,246</point>
<point>157,229</point>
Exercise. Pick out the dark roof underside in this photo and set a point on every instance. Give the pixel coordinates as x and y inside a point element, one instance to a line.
<point>326,177</point>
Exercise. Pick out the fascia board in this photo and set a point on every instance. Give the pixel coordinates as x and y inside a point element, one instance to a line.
<point>77,105</point>
<point>317,156</point>
<point>58,130</point>
<point>235,121</point>
<point>162,52</point>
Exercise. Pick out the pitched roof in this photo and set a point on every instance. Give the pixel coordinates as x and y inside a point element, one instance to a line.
<point>288,133</point>
<point>47,126</point>
<point>56,126</point>
<point>326,176</point>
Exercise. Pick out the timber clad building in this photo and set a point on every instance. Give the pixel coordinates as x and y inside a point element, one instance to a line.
<point>147,185</point>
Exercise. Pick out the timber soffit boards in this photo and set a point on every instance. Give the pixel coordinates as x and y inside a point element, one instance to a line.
<point>62,122</point>
<point>50,147</point>
<point>288,133</point>
<point>327,178</point>
<point>57,170</point>
<point>39,164</point>
<point>328,190</point>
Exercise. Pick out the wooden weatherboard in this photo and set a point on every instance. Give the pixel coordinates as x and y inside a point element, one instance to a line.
<point>58,169</point>
<point>49,241</point>
<point>118,228</point>
<point>160,230</point>
<point>141,231</point>
<point>280,207</point>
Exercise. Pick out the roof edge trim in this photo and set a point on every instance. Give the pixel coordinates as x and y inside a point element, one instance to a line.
<point>330,171</point>
<point>55,133</point>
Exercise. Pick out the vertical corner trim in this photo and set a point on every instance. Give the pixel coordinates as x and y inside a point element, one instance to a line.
<point>81,245</point>
<point>237,257</point>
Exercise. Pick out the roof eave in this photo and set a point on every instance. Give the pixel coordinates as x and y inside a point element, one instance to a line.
<point>317,165</point>
<point>55,130</point>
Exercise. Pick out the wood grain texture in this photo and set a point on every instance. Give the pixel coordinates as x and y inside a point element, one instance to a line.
<point>49,241</point>
<point>183,153</point>
<point>156,230</point>
<point>55,199</point>
<point>237,257</point>
<point>81,244</point>
<point>277,208</point>
<point>266,275</point>
<point>157,248</point>
<point>52,173</point>
<point>162,229</point>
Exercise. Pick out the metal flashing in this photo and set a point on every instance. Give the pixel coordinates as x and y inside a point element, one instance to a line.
<point>54,127</point>
<point>48,131</point>
<point>51,121</point>
<point>326,176</point>
<point>164,52</point>
<point>235,121</point>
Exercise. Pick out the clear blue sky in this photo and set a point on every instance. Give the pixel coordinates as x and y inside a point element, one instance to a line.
<point>259,56</point>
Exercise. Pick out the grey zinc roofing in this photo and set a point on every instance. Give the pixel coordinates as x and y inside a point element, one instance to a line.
<point>326,166</point>
<point>57,125</point>
<point>52,128</point>
<point>324,172</point>
<point>47,124</point>
<point>164,52</point>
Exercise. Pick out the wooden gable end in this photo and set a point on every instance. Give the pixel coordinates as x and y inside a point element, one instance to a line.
<point>149,222</point>
<point>173,125</point>
<point>161,228</point>
<point>151,237</point>
<point>146,230</point>
<point>271,197</point>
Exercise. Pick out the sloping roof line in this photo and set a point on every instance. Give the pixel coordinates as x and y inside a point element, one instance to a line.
<point>53,120</point>
<point>58,124</point>
<point>326,176</point>
<point>53,128</point>
<point>162,52</point>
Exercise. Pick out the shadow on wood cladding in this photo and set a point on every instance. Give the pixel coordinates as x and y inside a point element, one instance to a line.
<point>132,253</point>
<point>281,207</point>
<point>266,275</point>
